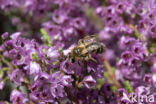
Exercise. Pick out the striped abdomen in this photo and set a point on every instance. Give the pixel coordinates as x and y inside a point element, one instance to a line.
<point>95,47</point>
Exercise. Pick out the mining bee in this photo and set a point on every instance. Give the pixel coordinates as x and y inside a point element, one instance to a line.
<point>86,46</point>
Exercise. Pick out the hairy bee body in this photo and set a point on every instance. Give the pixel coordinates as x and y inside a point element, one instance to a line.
<point>84,49</point>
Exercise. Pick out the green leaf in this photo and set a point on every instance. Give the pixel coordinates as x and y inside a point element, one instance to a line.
<point>1,73</point>
<point>153,47</point>
<point>34,56</point>
<point>106,75</point>
<point>140,36</point>
<point>60,49</point>
<point>114,88</point>
<point>100,83</point>
<point>128,86</point>
<point>46,36</point>
<point>55,63</point>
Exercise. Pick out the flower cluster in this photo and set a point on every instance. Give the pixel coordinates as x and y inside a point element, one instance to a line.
<point>34,64</point>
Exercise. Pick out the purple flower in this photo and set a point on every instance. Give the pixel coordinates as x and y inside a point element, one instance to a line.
<point>142,90</point>
<point>89,81</point>
<point>57,83</point>
<point>17,76</point>
<point>100,11</point>
<point>59,16</point>
<point>7,4</point>
<point>154,80</point>
<point>126,27</point>
<point>148,78</point>
<point>152,31</point>
<point>78,23</point>
<point>127,56</point>
<point>127,42</point>
<point>64,3</point>
<point>16,35</point>
<point>71,68</point>
<point>53,53</point>
<point>123,96</point>
<point>57,90</point>
<point>1,85</point>
<point>2,102</point>
<point>120,7</point>
<point>140,50</point>
<point>5,35</point>
<point>34,68</point>
<point>107,89</point>
<point>18,97</point>
<point>152,4</point>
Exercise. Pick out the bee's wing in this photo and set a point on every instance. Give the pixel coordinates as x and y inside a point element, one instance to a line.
<point>88,39</point>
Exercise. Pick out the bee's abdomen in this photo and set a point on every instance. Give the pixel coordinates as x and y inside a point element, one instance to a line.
<point>100,49</point>
<point>95,47</point>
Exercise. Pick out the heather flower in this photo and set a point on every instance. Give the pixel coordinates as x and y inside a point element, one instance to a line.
<point>34,68</point>
<point>66,80</point>
<point>46,96</point>
<point>34,59</point>
<point>106,89</point>
<point>15,36</point>
<point>140,50</point>
<point>142,90</point>
<point>57,90</point>
<point>151,16</point>
<point>143,27</point>
<point>127,42</point>
<point>152,31</point>
<point>19,58</point>
<point>1,85</point>
<point>5,35</point>
<point>17,76</point>
<point>105,34</point>
<point>18,97</point>
<point>7,4</point>
<point>152,4</point>
<point>53,30</point>
<point>63,2</point>
<point>148,78</point>
<point>127,57</point>
<point>59,16</point>
<point>78,23</point>
<point>100,11</point>
<point>120,7</point>
<point>123,96</point>
<point>71,68</point>
<point>69,32</point>
<point>89,81</point>
<point>154,80</point>
<point>1,102</point>
<point>53,53</point>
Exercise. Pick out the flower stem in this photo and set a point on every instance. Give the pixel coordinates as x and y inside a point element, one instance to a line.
<point>6,62</point>
<point>111,73</point>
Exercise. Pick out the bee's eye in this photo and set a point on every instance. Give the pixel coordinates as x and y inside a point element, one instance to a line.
<point>76,51</point>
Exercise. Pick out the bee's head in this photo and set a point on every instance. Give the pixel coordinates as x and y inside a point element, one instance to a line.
<point>71,58</point>
<point>77,51</point>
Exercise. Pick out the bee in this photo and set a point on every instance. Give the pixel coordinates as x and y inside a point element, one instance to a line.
<point>86,46</point>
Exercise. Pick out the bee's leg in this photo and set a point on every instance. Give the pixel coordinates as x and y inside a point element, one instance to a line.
<point>90,57</point>
<point>79,63</point>
<point>80,41</point>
